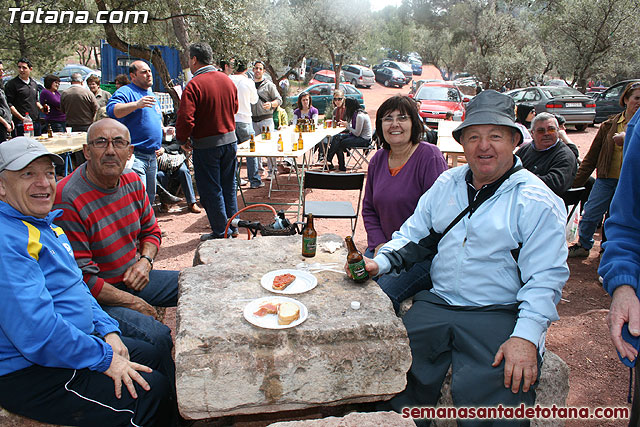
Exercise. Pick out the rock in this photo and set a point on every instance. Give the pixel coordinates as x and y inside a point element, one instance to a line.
<point>355,419</point>
<point>227,366</point>
<point>553,389</point>
<point>7,419</point>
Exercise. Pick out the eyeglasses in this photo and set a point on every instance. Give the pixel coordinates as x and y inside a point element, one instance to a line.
<point>550,129</point>
<point>338,99</point>
<point>118,143</point>
<point>401,118</point>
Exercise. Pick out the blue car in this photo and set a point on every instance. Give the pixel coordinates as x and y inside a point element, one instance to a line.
<point>416,66</point>
<point>322,95</point>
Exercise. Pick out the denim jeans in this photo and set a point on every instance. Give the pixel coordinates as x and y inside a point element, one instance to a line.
<point>244,132</point>
<point>254,164</point>
<point>162,291</point>
<point>340,143</point>
<point>399,287</point>
<point>597,205</point>
<point>146,166</point>
<point>215,171</point>
<point>183,175</point>
<point>57,126</point>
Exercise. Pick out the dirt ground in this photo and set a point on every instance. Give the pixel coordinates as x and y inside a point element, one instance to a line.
<point>580,337</point>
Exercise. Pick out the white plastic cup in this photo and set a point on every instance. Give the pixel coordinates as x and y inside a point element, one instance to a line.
<point>68,131</point>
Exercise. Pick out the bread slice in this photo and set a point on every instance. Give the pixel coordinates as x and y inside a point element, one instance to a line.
<point>288,312</point>
<point>282,281</point>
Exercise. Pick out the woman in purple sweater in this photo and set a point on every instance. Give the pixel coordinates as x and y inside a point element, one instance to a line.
<point>397,177</point>
<point>51,97</point>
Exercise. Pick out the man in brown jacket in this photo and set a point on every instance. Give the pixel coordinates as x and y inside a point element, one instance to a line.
<point>79,104</point>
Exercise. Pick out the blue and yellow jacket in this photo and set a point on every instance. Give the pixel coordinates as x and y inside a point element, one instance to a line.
<point>47,315</point>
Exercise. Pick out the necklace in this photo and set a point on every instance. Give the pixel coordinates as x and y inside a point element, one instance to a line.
<point>399,160</point>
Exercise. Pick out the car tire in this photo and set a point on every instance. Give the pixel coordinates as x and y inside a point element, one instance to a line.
<point>386,83</point>
<point>581,127</point>
<point>354,83</point>
<point>292,76</point>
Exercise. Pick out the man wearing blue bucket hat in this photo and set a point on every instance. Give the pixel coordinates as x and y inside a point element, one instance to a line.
<point>497,273</point>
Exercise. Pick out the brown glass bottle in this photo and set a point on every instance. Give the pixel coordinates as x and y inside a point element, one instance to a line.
<point>49,131</point>
<point>355,262</point>
<point>268,134</point>
<point>300,142</point>
<point>252,145</point>
<point>280,143</point>
<point>309,238</point>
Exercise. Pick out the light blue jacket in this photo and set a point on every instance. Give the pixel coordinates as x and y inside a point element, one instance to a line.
<point>47,315</point>
<point>474,265</point>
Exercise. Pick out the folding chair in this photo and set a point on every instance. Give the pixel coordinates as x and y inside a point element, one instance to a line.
<point>359,155</point>
<point>333,209</point>
<point>572,198</point>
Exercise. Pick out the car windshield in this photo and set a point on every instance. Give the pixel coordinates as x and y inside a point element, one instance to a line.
<point>438,93</point>
<point>404,66</point>
<point>324,79</point>
<point>552,92</point>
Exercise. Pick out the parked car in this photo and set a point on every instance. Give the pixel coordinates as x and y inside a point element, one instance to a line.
<point>322,94</point>
<point>416,84</point>
<point>401,66</point>
<point>65,75</point>
<point>416,66</point>
<point>557,82</point>
<point>390,77</point>
<point>436,99</point>
<point>358,75</point>
<point>578,109</point>
<point>324,76</point>
<point>608,102</point>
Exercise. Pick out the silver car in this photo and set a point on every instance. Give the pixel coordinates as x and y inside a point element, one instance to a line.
<point>578,109</point>
<point>358,75</point>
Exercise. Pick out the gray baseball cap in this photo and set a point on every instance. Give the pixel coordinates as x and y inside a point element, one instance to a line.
<point>17,153</point>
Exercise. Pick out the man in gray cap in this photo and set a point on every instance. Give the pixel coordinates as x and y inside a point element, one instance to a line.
<point>497,275</point>
<point>60,354</point>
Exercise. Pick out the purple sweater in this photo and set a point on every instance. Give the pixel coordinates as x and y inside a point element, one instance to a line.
<point>53,100</point>
<point>390,200</point>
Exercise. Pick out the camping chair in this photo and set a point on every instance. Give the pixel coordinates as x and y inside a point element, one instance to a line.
<point>572,198</point>
<point>359,155</point>
<point>333,209</point>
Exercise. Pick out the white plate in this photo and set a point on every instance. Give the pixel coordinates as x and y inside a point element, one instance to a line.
<point>304,282</point>
<point>270,321</point>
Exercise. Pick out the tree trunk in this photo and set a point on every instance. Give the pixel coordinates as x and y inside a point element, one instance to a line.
<point>180,30</point>
<point>152,55</point>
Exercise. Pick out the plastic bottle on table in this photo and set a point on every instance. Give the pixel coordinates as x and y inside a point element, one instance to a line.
<point>27,124</point>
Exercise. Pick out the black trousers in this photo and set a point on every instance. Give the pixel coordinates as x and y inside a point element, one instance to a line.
<point>465,339</point>
<point>340,143</point>
<point>87,398</point>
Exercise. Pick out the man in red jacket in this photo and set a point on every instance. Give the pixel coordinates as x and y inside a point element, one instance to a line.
<point>206,114</point>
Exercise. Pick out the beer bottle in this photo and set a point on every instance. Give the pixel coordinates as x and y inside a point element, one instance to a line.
<point>355,262</point>
<point>263,132</point>
<point>49,131</point>
<point>280,143</point>
<point>268,134</point>
<point>300,142</point>
<point>252,145</point>
<point>297,129</point>
<point>309,237</point>
<point>334,123</point>
<point>324,123</point>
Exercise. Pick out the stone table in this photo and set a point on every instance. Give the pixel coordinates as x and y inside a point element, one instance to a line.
<point>227,366</point>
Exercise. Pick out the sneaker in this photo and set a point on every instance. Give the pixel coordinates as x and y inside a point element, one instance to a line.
<point>254,186</point>
<point>577,251</point>
<point>243,182</point>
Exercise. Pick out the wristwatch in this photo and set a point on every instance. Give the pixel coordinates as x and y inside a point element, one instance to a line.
<point>148,258</point>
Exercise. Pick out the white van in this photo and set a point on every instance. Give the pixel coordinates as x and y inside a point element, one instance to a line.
<point>358,75</point>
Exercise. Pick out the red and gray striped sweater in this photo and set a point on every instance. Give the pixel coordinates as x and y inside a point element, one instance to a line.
<point>105,227</point>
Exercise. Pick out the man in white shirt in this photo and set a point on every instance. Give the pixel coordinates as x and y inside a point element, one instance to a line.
<point>247,95</point>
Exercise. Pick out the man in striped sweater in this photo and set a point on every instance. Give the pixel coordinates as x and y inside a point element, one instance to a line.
<point>115,236</point>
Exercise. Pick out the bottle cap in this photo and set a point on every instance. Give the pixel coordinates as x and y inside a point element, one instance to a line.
<point>355,305</point>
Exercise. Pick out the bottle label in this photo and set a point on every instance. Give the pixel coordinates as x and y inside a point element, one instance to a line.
<point>28,126</point>
<point>309,245</point>
<point>358,271</point>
